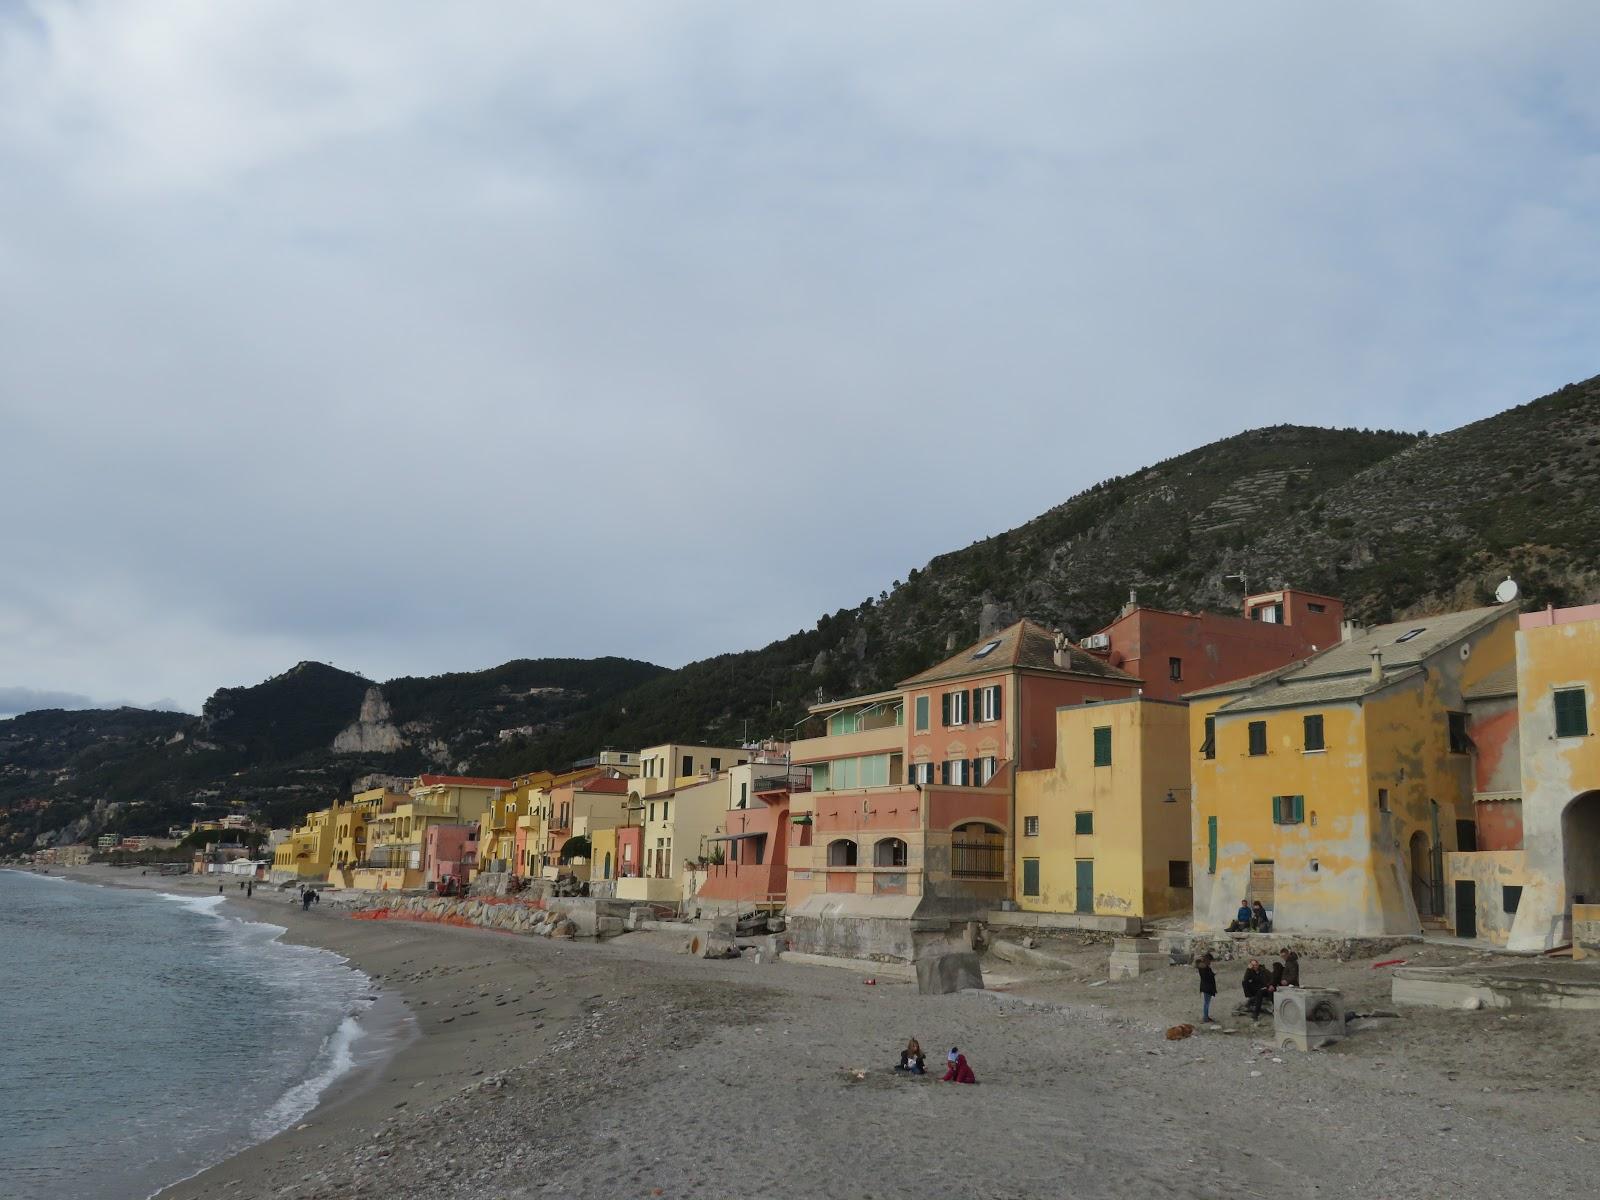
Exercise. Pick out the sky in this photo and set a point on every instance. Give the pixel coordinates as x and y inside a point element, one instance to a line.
<point>416,337</point>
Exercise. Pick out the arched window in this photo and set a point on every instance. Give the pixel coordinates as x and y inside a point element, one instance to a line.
<point>842,853</point>
<point>607,871</point>
<point>890,852</point>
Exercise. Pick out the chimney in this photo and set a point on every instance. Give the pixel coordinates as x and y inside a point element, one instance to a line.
<point>1348,630</point>
<point>949,643</point>
<point>1133,603</point>
<point>1062,656</point>
<point>1377,666</point>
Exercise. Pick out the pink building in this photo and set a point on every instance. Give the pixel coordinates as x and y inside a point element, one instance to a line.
<point>449,852</point>
<point>755,867</point>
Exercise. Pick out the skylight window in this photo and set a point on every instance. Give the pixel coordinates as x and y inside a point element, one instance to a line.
<point>1407,636</point>
<point>987,649</point>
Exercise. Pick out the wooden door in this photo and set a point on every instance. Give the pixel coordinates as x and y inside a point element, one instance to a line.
<point>1085,886</point>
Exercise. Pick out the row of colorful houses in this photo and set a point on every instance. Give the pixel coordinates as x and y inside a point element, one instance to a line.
<point>1437,772</point>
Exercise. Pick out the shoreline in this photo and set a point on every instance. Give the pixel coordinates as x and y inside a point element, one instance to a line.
<point>627,1068</point>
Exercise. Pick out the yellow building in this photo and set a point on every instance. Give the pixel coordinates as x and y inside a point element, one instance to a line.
<point>678,827</point>
<point>396,839</point>
<point>350,830</point>
<point>672,765</point>
<point>1105,831</point>
<point>1331,789</point>
<point>309,851</point>
<point>507,812</point>
<point>1558,677</point>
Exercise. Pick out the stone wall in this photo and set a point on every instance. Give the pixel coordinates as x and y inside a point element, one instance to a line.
<point>568,918</point>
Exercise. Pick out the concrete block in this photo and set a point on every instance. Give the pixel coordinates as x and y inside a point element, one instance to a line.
<point>940,974</point>
<point>1307,1018</point>
<point>1131,957</point>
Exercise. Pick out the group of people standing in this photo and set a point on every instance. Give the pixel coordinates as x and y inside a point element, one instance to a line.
<point>1259,986</point>
<point>913,1062</point>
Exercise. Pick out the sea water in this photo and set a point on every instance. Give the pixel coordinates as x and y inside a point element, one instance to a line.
<point>146,1036</point>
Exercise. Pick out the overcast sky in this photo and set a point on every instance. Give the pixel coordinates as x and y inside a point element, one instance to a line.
<point>418,336</point>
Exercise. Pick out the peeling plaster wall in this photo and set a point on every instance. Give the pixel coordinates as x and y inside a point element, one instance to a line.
<point>1492,872</point>
<point>1347,868</point>
<point>1556,772</point>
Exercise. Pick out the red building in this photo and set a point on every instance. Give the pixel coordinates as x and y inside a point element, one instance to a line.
<point>755,867</point>
<point>449,852</point>
<point>1172,653</point>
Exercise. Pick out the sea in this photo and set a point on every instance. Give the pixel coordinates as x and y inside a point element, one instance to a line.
<point>146,1036</point>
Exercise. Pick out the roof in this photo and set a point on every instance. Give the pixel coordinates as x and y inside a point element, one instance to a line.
<point>1494,685</point>
<point>461,781</point>
<point>616,784</point>
<point>854,702</point>
<point>1027,645</point>
<point>1344,671</point>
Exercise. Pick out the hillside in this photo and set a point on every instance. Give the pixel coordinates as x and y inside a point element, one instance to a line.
<point>283,746</point>
<point>1395,523</point>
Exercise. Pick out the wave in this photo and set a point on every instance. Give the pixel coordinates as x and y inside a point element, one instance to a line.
<point>336,1057</point>
<point>35,874</point>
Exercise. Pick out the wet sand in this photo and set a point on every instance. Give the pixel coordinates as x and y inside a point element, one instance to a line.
<point>630,1069</point>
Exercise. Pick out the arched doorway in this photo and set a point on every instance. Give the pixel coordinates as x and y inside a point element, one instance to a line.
<point>1422,876</point>
<point>1580,848</point>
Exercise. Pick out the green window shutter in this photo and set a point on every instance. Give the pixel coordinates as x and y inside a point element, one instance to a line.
<point>1208,748</point>
<point>1277,810</point>
<point>1299,810</point>
<point>1102,746</point>
<point>1211,845</point>
<point>1313,727</point>
<point>922,713</point>
<point>1030,877</point>
<point>999,693</point>
<point>1083,823</point>
<point>1572,716</point>
<point>944,709</point>
<point>975,713</point>
<point>1258,737</point>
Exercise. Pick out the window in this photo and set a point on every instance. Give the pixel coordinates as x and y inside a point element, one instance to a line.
<point>953,772</point>
<point>922,714</point>
<point>1466,836</point>
<point>1030,826</point>
<point>1510,897</point>
<point>688,765</point>
<point>1288,810</point>
<point>1174,668</point>
<point>1316,608</point>
<point>1408,635</point>
<point>1460,740</point>
<point>954,706</point>
<point>1572,712</point>
<point>890,852</point>
<point>1030,877</point>
<point>666,805</point>
<point>1177,874</point>
<point>1083,822</point>
<point>842,853</point>
<point>1314,740</point>
<point>1383,799</point>
<point>1102,746</point>
<point>744,795</point>
<point>989,703</point>
<point>987,649</point>
<point>984,769</point>
<point>921,772</point>
<point>1208,748</point>
<point>1269,614</point>
<point>1258,738</point>
<point>716,765</point>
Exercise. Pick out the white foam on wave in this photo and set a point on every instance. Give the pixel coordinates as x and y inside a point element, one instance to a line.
<point>35,874</point>
<point>336,1057</point>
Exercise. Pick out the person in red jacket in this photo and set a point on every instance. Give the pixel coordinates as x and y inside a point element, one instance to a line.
<point>957,1070</point>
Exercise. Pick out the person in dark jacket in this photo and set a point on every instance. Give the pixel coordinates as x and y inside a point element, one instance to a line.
<point>1208,988</point>
<point>912,1060</point>
<point>1286,972</point>
<point>1257,987</point>
<point>1259,921</point>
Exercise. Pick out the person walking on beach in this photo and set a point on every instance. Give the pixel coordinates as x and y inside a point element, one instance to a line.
<point>1208,988</point>
<point>305,899</point>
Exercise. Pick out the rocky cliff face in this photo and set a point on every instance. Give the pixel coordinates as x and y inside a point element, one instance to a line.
<point>373,731</point>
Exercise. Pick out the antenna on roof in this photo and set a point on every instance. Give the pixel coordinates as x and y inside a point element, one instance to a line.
<point>1507,591</point>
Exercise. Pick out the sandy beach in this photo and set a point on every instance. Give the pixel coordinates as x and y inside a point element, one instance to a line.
<point>628,1068</point>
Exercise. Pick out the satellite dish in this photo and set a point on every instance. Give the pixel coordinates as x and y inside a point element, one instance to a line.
<point>1507,591</point>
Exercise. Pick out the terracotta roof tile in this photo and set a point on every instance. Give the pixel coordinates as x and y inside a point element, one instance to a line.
<point>1026,645</point>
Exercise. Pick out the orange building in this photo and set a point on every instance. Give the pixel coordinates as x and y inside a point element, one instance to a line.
<point>906,830</point>
<point>755,865</point>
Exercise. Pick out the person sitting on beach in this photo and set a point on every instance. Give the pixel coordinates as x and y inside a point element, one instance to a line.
<point>1256,987</point>
<point>1259,921</point>
<point>1241,919</point>
<point>1287,972</point>
<point>912,1060</point>
<point>958,1071</point>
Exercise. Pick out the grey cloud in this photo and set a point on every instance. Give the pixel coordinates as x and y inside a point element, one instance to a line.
<point>415,337</point>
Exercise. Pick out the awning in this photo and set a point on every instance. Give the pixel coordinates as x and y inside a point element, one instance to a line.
<point>734,837</point>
